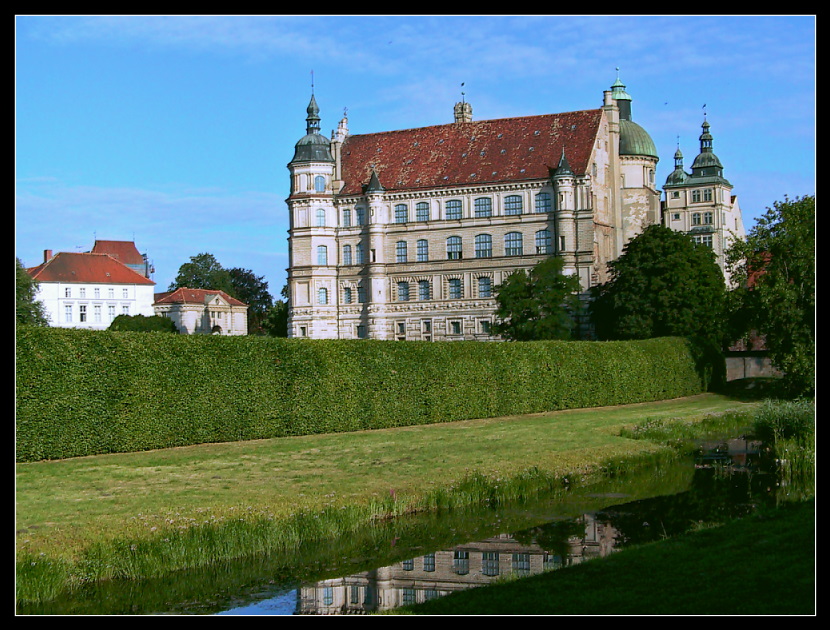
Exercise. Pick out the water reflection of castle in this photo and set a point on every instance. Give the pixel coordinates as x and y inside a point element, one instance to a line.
<point>442,572</point>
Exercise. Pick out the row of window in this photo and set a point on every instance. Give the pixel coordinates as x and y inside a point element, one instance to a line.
<point>96,292</point>
<point>513,246</point>
<point>97,313</point>
<point>697,195</point>
<point>482,207</point>
<point>490,563</point>
<point>404,291</point>
<point>698,218</point>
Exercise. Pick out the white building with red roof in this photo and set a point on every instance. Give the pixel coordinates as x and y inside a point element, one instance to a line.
<point>88,290</point>
<point>203,311</point>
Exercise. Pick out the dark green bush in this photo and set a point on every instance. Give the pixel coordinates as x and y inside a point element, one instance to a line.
<point>89,392</point>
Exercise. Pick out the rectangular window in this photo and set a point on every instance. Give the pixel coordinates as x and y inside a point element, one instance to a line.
<point>707,194</point>
<point>67,313</point>
<point>322,255</point>
<point>83,292</point>
<point>484,246</point>
<point>82,309</point>
<point>695,196</point>
<point>521,563</point>
<point>403,291</point>
<point>422,250</point>
<point>454,248</point>
<point>490,563</point>
<point>429,562</point>
<point>124,293</point>
<point>543,242</point>
<point>422,211</point>
<point>347,295</point>
<point>485,287</point>
<point>461,562</point>
<point>513,244</point>
<point>97,292</point>
<point>67,292</point>
<point>96,313</point>
<point>455,328</point>
<point>347,254</point>
<point>361,216</point>
<point>423,290</point>
<point>110,293</point>
<point>361,294</point>
<point>111,312</point>
<point>361,331</point>
<point>347,218</point>
<point>125,309</point>
<point>708,218</point>
<point>454,286</point>
<point>484,326</point>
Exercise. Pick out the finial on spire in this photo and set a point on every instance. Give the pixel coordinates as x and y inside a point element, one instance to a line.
<point>312,82</point>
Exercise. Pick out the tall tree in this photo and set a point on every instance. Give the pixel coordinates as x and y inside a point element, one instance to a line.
<point>29,310</point>
<point>203,272</point>
<point>663,284</point>
<point>774,270</point>
<point>253,290</point>
<point>541,304</point>
<point>276,320</point>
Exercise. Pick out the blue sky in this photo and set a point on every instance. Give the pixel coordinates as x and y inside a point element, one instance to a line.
<point>175,131</point>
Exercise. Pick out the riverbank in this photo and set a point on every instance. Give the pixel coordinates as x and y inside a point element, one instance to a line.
<point>763,564</point>
<point>142,514</point>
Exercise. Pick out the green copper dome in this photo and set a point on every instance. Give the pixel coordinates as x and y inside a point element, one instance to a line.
<point>314,146</point>
<point>634,140</point>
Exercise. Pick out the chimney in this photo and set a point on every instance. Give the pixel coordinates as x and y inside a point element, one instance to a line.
<point>47,254</point>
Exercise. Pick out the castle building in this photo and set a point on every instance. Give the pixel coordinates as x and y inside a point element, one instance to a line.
<point>701,204</point>
<point>405,234</point>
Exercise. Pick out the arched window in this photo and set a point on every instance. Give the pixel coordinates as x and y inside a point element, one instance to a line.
<point>400,251</point>
<point>321,217</point>
<point>543,242</point>
<point>422,211</point>
<point>512,204</point>
<point>422,250</point>
<point>543,202</point>
<point>453,209</point>
<point>513,244</point>
<point>347,254</point>
<point>454,248</point>
<point>401,213</point>
<point>347,218</point>
<point>319,183</point>
<point>484,246</point>
<point>455,288</point>
<point>483,207</point>
<point>322,295</point>
<point>403,292</point>
<point>485,287</point>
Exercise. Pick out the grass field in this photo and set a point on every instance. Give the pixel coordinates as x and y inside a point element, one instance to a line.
<point>71,510</point>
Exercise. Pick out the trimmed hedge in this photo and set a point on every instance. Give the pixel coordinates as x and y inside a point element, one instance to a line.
<point>91,392</point>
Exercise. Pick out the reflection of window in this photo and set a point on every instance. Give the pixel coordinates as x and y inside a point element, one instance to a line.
<point>429,562</point>
<point>461,562</point>
<point>490,563</point>
<point>408,565</point>
<point>521,563</point>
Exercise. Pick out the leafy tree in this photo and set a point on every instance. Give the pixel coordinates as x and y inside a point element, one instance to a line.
<point>276,320</point>
<point>663,284</point>
<point>142,323</point>
<point>203,272</point>
<point>541,304</point>
<point>253,290</point>
<point>29,310</point>
<point>774,270</point>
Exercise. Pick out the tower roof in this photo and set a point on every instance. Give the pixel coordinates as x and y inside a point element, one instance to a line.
<point>312,147</point>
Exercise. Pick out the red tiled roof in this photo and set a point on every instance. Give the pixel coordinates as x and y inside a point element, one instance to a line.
<point>184,295</point>
<point>122,251</point>
<point>93,268</point>
<point>460,154</point>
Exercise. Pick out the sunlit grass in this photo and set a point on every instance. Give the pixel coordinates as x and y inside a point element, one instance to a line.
<point>139,514</point>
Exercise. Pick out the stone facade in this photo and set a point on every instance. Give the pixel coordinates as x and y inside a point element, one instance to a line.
<point>701,203</point>
<point>405,234</point>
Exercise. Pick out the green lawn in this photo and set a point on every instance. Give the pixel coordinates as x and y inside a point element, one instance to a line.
<point>66,507</point>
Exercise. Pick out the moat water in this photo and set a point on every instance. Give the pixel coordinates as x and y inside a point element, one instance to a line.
<point>417,558</point>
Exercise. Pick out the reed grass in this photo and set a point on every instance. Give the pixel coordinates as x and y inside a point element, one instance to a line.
<point>133,516</point>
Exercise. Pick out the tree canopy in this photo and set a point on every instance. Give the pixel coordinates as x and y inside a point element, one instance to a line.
<point>28,309</point>
<point>774,270</point>
<point>663,284</point>
<point>203,272</point>
<point>142,323</point>
<point>541,304</point>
